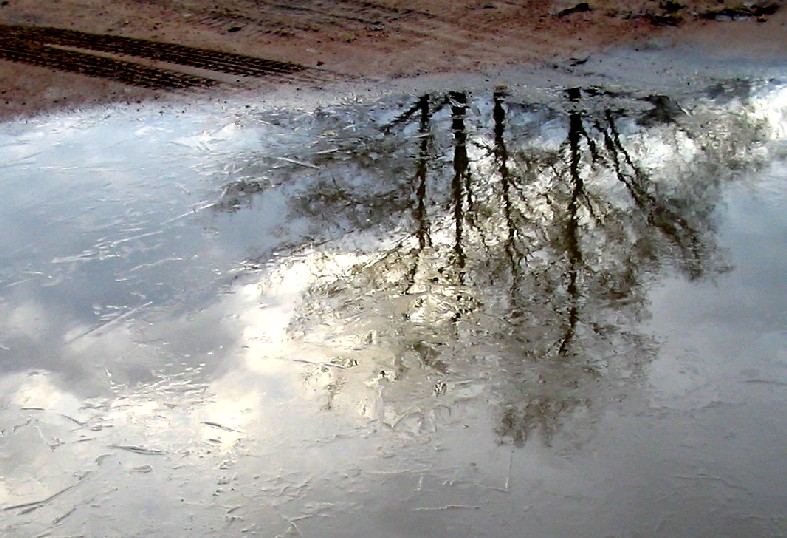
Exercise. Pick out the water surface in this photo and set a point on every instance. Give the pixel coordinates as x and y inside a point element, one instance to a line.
<point>449,314</point>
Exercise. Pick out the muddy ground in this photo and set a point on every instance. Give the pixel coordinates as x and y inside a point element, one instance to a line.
<point>72,53</point>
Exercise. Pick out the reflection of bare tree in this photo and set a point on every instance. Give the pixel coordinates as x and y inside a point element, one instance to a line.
<point>526,258</point>
<point>422,165</point>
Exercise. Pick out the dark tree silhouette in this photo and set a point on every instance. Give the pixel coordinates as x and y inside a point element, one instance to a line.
<point>531,252</point>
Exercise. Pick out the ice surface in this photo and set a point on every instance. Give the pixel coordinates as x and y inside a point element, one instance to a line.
<point>450,314</point>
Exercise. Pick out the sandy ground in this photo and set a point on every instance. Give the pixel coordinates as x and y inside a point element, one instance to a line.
<point>321,42</point>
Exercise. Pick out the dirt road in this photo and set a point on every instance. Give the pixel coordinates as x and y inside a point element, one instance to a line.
<point>77,52</point>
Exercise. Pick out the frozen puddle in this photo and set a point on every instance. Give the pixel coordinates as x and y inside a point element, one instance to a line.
<point>453,314</point>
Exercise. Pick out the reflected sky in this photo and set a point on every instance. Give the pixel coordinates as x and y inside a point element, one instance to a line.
<point>435,315</point>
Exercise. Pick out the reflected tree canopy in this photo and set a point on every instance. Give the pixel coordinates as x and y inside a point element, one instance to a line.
<point>483,246</point>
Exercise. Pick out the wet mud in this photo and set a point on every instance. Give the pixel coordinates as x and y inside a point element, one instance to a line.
<point>86,53</point>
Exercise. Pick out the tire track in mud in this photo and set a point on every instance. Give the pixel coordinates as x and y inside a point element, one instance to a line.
<point>304,17</point>
<point>74,51</point>
<point>98,66</point>
<point>345,20</point>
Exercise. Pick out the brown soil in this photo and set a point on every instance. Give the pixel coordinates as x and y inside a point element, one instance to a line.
<point>69,53</point>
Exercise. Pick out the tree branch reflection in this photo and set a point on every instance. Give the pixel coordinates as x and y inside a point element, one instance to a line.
<point>510,251</point>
